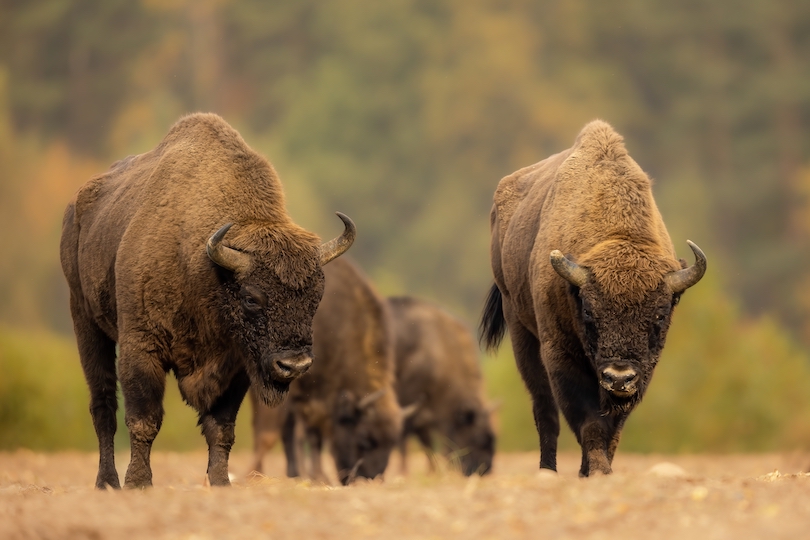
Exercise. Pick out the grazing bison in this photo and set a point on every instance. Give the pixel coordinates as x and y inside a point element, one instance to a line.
<point>186,258</point>
<point>588,325</point>
<point>348,396</point>
<point>438,375</point>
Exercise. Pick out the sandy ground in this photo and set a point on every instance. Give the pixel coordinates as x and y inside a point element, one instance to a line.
<point>694,497</point>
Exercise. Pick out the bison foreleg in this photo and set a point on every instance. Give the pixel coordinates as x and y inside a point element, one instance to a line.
<point>143,384</point>
<point>218,427</point>
<point>315,443</point>
<point>615,435</point>
<point>288,440</point>
<point>594,440</point>
<point>425,439</point>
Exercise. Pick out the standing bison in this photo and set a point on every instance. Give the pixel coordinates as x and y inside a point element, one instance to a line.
<point>438,375</point>
<point>588,325</point>
<point>185,258</point>
<point>348,397</point>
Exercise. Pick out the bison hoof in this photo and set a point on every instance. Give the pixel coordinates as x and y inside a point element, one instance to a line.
<point>137,482</point>
<point>111,483</point>
<point>217,480</point>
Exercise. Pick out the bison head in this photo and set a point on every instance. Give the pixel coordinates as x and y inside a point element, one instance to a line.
<point>364,433</point>
<point>273,283</point>
<point>470,438</point>
<point>623,334</point>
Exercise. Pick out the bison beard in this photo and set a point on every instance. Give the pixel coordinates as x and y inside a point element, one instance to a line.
<point>586,279</point>
<point>185,258</point>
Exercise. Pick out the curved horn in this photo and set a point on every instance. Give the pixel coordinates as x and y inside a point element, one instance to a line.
<point>337,246</point>
<point>413,408</point>
<point>494,406</point>
<point>680,280</point>
<point>224,256</point>
<point>571,271</point>
<point>371,398</point>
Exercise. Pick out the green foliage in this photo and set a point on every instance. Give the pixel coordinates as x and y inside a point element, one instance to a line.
<point>43,397</point>
<point>725,383</point>
<point>44,400</point>
<point>405,114</point>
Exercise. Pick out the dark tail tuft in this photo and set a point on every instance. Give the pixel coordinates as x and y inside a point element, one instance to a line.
<point>493,325</point>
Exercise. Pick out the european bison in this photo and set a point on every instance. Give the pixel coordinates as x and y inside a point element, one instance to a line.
<point>348,396</point>
<point>588,325</point>
<point>438,374</point>
<point>186,258</point>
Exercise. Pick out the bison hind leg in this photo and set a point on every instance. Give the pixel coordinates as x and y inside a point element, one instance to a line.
<point>544,407</point>
<point>97,354</point>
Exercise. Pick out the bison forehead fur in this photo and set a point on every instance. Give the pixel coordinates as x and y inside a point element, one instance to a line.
<point>586,279</point>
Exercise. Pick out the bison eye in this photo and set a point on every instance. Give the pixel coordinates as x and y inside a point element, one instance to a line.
<point>466,418</point>
<point>250,304</point>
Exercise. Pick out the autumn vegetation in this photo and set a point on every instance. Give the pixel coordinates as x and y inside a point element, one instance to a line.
<point>404,115</point>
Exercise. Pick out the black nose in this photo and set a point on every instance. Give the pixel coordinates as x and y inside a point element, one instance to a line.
<point>619,378</point>
<point>291,367</point>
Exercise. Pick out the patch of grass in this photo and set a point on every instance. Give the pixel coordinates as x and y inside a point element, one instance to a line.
<point>44,400</point>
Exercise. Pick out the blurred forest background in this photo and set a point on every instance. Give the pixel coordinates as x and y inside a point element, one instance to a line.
<point>405,114</point>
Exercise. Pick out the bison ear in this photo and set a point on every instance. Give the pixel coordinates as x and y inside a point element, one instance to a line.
<point>371,398</point>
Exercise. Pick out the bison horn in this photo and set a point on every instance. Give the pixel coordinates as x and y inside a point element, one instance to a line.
<point>337,246</point>
<point>410,410</point>
<point>680,280</point>
<point>371,398</point>
<point>571,271</point>
<point>224,256</point>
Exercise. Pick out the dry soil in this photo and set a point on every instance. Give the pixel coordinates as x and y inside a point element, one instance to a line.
<point>693,497</point>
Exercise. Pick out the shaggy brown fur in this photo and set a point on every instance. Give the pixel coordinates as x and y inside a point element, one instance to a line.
<point>134,254</point>
<point>438,373</point>
<point>585,344</point>
<point>348,396</point>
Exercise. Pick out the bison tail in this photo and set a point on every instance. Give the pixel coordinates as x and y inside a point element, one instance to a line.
<point>493,325</point>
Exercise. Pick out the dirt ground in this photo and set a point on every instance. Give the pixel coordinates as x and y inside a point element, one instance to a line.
<point>51,496</point>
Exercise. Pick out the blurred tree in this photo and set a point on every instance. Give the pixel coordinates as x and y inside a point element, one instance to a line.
<point>405,115</point>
